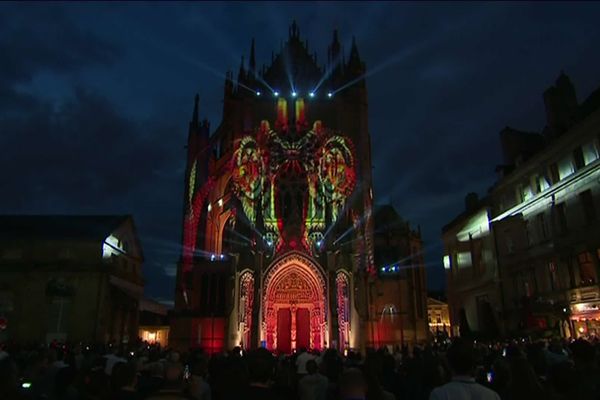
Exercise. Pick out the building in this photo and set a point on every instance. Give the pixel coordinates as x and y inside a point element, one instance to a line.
<point>153,322</point>
<point>69,278</point>
<point>277,230</point>
<point>543,216</point>
<point>472,273</point>
<point>398,298</point>
<point>438,315</point>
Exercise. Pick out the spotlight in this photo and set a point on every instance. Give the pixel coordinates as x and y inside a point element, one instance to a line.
<point>212,257</point>
<point>329,94</point>
<point>319,243</point>
<point>294,94</point>
<point>311,94</point>
<point>276,93</point>
<point>258,93</point>
<point>382,269</point>
<point>222,256</point>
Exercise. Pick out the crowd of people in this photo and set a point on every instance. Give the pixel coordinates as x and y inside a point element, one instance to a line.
<point>462,369</point>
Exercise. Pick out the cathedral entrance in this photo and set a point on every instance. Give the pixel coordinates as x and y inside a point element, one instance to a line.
<point>294,312</point>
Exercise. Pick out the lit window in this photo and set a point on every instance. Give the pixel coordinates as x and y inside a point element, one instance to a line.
<point>590,154</point>
<point>464,260</point>
<point>526,193</point>
<point>112,245</point>
<point>565,168</point>
<point>446,262</point>
<point>543,183</point>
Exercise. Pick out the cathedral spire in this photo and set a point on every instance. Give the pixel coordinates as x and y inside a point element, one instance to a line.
<point>334,49</point>
<point>355,64</point>
<point>242,72</point>
<point>195,113</point>
<point>252,62</point>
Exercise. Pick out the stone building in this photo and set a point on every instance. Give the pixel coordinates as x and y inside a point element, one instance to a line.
<point>472,273</point>
<point>542,215</point>
<point>69,278</point>
<point>278,229</point>
<point>398,298</point>
<point>438,315</point>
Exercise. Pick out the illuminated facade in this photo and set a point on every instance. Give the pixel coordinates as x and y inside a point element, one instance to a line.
<point>277,229</point>
<point>472,273</point>
<point>439,318</point>
<point>543,223</point>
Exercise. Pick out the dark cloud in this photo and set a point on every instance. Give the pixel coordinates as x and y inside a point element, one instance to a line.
<point>95,99</point>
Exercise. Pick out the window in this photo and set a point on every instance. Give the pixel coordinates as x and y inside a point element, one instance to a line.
<point>565,168</point>
<point>554,173</point>
<point>464,259</point>
<point>510,246</point>
<point>526,193</point>
<point>587,269</point>
<point>542,183</point>
<point>446,262</point>
<point>578,157</point>
<point>587,203</point>
<point>554,282</point>
<point>590,153</point>
<point>542,226</point>
<point>561,218</point>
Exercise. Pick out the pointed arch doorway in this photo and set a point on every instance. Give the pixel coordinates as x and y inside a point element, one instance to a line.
<point>294,304</point>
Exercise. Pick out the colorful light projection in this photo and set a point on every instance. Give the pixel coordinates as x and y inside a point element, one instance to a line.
<point>343,309</point>
<point>245,308</point>
<point>298,179</point>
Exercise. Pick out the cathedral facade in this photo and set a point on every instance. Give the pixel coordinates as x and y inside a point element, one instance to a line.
<point>278,245</point>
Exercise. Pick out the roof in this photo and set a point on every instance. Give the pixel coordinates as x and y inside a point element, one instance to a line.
<point>433,301</point>
<point>91,227</point>
<point>386,215</point>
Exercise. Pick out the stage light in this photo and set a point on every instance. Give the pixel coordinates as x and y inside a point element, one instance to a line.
<point>269,243</point>
<point>382,269</point>
<point>294,94</point>
<point>276,93</point>
<point>319,243</point>
<point>212,257</point>
<point>311,94</point>
<point>222,256</point>
<point>329,94</point>
<point>258,93</point>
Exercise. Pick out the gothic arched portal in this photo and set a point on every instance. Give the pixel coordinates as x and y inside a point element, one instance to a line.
<point>294,304</point>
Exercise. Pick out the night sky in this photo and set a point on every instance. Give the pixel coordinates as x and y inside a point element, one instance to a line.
<point>95,99</point>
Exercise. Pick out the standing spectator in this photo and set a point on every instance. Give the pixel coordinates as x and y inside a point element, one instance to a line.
<point>461,358</point>
<point>352,385</point>
<point>301,360</point>
<point>124,379</point>
<point>198,387</point>
<point>172,388</point>
<point>314,385</point>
